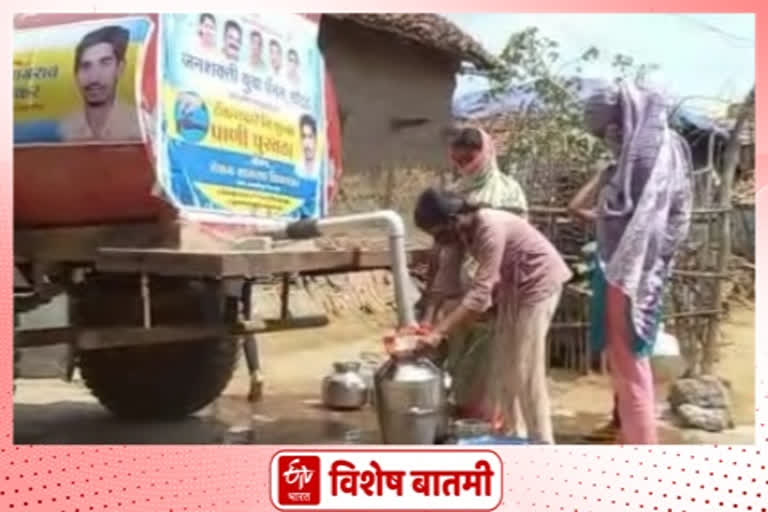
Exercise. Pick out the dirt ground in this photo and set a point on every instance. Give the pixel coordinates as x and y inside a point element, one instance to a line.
<point>49,411</point>
<point>738,363</point>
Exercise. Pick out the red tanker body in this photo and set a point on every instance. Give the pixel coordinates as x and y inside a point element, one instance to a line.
<point>153,154</point>
<point>73,184</point>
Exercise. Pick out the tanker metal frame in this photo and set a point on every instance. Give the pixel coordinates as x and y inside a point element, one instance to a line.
<point>158,309</point>
<point>156,332</point>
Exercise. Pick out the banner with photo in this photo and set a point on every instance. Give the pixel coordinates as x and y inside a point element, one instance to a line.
<point>76,83</point>
<point>243,122</point>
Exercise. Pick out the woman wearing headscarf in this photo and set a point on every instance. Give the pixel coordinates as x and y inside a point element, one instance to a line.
<point>641,207</point>
<point>473,154</point>
<point>481,182</point>
<point>522,274</point>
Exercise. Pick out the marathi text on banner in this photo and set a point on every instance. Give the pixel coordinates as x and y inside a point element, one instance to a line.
<point>244,114</point>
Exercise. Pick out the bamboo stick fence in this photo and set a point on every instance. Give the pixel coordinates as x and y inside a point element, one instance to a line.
<point>693,304</point>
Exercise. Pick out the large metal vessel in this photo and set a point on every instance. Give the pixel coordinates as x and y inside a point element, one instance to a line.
<point>411,401</point>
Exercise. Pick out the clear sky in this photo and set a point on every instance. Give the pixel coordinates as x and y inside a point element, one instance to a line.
<point>709,55</point>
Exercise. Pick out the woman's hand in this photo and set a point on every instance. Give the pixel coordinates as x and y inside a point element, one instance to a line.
<point>431,341</point>
<point>406,342</point>
<point>582,205</point>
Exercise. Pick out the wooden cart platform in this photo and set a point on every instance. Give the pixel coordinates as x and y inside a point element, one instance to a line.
<point>186,250</point>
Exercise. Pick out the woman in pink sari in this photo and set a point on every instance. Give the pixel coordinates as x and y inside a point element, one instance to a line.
<point>642,216</point>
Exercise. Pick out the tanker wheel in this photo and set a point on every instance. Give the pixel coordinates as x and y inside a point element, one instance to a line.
<point>162,382</point>
<point>165,381</point>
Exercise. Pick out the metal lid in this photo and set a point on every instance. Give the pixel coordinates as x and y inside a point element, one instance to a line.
<point>413,371</point>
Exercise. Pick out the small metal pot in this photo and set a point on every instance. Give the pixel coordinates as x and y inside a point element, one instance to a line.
<point>345,388</point>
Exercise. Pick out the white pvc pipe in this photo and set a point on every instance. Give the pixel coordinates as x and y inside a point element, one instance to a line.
<point>388,219</point>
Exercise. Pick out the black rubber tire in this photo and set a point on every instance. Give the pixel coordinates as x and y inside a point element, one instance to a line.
<point>167,381</point>
<point>158,382</point>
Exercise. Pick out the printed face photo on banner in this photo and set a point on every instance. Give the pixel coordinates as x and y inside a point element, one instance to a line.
<point>276,56</point>
<point>233,40</point>
<point>79,85</point>
<point>257,50</point>
<point>293,67</point>
<point>308,133</point>
<point>237,137</point>
<point>207,31</point>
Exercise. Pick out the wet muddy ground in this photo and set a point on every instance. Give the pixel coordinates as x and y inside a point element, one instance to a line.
<point>49,411</point>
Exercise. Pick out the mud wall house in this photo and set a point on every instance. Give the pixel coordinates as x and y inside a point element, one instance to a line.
<point>395,76</point>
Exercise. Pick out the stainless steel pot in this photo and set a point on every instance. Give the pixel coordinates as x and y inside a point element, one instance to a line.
<point>371,362</point>
<point>345,388</point>
<point>411,401</point>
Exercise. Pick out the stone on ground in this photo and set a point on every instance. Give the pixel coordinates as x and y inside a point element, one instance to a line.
<point>711,420</point>
<point>703,403</point>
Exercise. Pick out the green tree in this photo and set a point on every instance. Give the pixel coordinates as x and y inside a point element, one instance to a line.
<point>544,141</point>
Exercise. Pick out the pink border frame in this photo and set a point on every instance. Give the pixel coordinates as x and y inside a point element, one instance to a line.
<point>233,478</point>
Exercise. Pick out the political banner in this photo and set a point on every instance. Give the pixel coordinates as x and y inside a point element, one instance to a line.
<point>243,116</point>
<point>76,83</point>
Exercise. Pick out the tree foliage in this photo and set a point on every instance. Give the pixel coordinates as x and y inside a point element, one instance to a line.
<point>544,140</point>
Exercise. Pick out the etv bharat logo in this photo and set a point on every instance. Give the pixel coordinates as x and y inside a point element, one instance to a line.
<point>299,480</point>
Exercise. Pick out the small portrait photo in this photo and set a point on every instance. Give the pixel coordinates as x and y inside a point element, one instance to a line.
<point>206,32</point>
<point>294,69</point>
<point>276,56</point>
<point>256,54</point>
<point>233,40</point>
<point>308,135</point>
<point>99,64</point>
